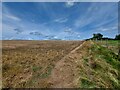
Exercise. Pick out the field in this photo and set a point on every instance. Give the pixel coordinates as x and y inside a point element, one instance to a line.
<point>110,44</point>
<point>59,64</point>
<point>28,63</point>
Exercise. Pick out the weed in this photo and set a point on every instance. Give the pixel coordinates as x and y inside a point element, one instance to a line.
<point>46,74</point>
<point>36,68</point>
<point>86,59</point>
<point>107,55</point>
<point>86,83</point>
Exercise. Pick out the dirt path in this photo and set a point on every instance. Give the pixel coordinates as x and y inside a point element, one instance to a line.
<point>64,75</point>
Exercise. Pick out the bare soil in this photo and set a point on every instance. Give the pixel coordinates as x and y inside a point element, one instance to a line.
<point>35,63</point>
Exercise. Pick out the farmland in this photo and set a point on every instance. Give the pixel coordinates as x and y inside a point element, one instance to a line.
<point>29,63</point>
<point>56,64</point>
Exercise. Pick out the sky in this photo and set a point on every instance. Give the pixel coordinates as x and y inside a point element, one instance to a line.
<point>58,20</point>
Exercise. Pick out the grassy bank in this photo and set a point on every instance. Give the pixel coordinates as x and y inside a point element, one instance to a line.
<point>110,44</point>
<point>101,66</point>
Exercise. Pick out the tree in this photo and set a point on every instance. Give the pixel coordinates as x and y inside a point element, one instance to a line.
<point>117,37</point>
<point>97,36</point>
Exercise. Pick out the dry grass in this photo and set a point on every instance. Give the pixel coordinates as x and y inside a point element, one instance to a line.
<point>66,64</point>
<point>29,63</point>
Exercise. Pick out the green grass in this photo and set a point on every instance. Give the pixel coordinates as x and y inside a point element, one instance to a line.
<point>101,67</point>
<point>46,74</point>
<point>103,53</point>
<point>85,83</point>
<point>36,68</point>
<point>38,75</point>
<point>107,55</point>
<point>110,44</point>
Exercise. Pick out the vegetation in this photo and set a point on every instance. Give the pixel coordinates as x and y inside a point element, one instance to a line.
<point>101,67</point>
<point>97,36</point>
<point>46,64</point>
<point>117,37</point>
<point>29,63</point>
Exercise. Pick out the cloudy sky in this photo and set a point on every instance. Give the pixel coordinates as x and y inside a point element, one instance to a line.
<point>63,20</point>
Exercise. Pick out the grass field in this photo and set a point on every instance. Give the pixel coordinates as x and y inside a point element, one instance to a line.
<point>67,64</point>
<point>110,44</point>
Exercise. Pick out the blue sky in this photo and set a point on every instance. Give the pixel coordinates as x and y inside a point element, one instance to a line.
<point>58,20</point>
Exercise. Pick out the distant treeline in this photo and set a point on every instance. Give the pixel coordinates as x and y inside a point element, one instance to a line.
<point>99,36</point>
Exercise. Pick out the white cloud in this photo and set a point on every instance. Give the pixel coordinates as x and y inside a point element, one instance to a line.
<point>7,14</point>
<point>104,29</point>
<point>115,27</point>
<point>13,17</point>
<point>107,29</point>
<point>69,4</point>
<point>95,13</point>
<point>55,37</point>
<point>61,20</point>
<point>67,29</point>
